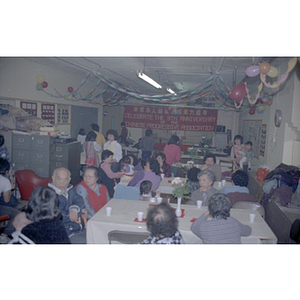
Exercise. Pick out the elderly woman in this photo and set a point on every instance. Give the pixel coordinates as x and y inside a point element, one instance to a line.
<point>151,171</point>
<point>165,168</point>
<point>206,181</point>
<point>44,221</point>
<point>162,224</point>
<point>94,194</point>
<point>216,226</point>
<point>210,164</point>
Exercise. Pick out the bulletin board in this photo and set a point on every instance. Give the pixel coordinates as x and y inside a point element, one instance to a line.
<point>252,132</point>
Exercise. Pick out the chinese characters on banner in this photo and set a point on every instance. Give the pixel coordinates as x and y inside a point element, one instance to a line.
<point>187,119</point>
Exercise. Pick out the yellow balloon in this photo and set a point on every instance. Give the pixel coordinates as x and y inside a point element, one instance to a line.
<point>273,72</point>
<point>261,107</point>
<point>69,97</point>
<point>40,79</point>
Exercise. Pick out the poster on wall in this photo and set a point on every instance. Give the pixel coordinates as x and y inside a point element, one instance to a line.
<point>30,108</point>
<point>158,118</point>
<point>48,113</point>
<point>263,139</point>
<point>63,114</point>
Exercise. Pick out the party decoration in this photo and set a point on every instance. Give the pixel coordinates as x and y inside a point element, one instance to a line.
<point>252,71</point>
<point>175,112</point>
<point>39,87</point>
<point>252,110</point>
<point>40,79</point>
<point>170,108</point>
<point>270,102</point>
<point>273,72</point>
<point>264,68</point>
<point>70,89</point>
<point>238,92</point>
<point>259,111</point>
<point>44,84</point>
<point>69,97</point>
<point>261,107</point>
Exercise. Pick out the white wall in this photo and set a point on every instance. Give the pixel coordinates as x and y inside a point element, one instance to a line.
<point>18,81</point>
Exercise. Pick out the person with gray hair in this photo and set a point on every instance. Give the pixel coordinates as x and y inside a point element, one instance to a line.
<point>206,181</point>
<point>216,226</point>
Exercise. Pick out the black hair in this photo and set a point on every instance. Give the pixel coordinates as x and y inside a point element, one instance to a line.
<point>193,173</point>
<point>96,173</point>
<point>4,166</point>
<point>238,137</point>
<point>145,187</point>
<point>126,160</point>
<point>208,155</point>
<point>161,154</point>
<point>148,132</point>
<point>112,132</point>
<point>161,220</point>
<point>105,154</point>
<point>240,178</point>
<point>154,165</point>
<point>95,127</point>
<point>219,206</point>
<point>91,136</point>
<point>126,157</point>
<point>249,143</point>
<point>2,140</point>
<point>122,123</point>
<point>174,139</point>
<point>81,131</point>
<point>43,205</point>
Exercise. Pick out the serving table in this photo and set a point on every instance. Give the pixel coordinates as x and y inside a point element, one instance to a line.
<point>124,212</point>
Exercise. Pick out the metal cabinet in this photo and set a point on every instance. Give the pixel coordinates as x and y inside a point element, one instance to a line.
<point>43,155</point>
<point>220,140</point>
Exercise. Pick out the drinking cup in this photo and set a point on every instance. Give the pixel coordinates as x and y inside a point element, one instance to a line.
<point>223,182</point>
<point>219,184</point>
<point>108,211</point>
<point>252,218</point>
<point>159,200</point>
<point>162,176</point>
<point>199,203</point>
<point>140,216</point>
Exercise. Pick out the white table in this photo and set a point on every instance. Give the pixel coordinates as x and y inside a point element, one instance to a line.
<point>125,211</point>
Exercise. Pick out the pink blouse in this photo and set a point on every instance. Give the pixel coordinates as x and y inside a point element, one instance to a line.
<point>237,151</point>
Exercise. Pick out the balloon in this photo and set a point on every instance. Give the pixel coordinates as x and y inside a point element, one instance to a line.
<point>252,71</point>
<point>261,107</point>
<point>264,68</point>
<point>170,108</point>
<point>259,111</point>
<point>265,99</point>
<point>273,72</point>
<point>70,89</point>
<point>270,102</point>
<point>238,92</point>
<point>40,79</point>
<point>259,101</point>
<point>252,111</point>
<point>69,97</point>
<point>271,97</point>
<point>44,84</point>
<point>39,87</point>
<point>175,112</point>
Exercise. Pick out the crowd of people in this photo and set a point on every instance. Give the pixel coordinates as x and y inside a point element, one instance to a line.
<point>59,213</point>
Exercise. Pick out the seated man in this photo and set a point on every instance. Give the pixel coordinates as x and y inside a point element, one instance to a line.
<point>240,181</point>
<point>69,202</point>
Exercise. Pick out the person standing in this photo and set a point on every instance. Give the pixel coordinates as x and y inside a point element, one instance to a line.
<point>147,145</point>
<point>237,151</point>
<point>100,139</point>
<point>124,134</point>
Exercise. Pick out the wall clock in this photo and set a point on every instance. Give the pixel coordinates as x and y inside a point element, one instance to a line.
<point>278,118</point>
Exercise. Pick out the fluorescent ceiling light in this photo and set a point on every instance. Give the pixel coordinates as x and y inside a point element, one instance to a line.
<point>149,80</point>
<point>170,91</point>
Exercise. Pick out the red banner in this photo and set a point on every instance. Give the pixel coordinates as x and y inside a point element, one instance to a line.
<point>187,119</point>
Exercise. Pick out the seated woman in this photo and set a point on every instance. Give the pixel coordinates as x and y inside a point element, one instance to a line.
<point>151,171</point>
<point>216,226</point>
<point>240,181</point>
<point>206,181</point>
<point>210,164</point>
<point>162,223</point>
<point>193,181</point>
<point>94,194</point>
<point>45,225</point>
<point>6,197</point>
<point>108,177</point>
<point>91,148</point>
<point>164,167</point>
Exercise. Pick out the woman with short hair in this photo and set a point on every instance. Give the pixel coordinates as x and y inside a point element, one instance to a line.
<point>216,226</point>
<point>172,150</point>
<point>165,168</point>
<point>210,164</point>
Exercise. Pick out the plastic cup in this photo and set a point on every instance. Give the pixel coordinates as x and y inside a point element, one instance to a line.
<point>108,211</point>
<point>223,182</point>
<point>140,216</point>
<point>162,176</point>
<point>252,218</point>
<point>159,200</point>
<point>219,184</point>
<point>199,203</point>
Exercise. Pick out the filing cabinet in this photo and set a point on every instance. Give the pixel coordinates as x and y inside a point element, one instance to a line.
<point>43,155</point>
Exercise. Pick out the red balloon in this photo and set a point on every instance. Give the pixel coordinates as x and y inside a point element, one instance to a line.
<point>252,111</point>
<point>264,68</point>
<point>259,101</point>
<point>44,84</point>
<point>170,108</point>
<point>238,92</point>
<point>70,89</point>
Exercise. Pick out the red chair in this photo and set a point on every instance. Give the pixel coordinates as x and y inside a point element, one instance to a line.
<point>236,196</point>
<point>27,181</point>
<point>4,220</point>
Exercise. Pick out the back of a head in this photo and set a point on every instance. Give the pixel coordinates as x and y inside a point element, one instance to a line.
<point>145,187</point>
<point>4,166</point>
<point>148,132</point>
<point>43,205</point>
<point>192,174</point>
<point>240,178</point>
<point>95,127</point>
<point>2,140</point>
<point>91,136</point>
<point>161,220</point>
<point>174,139</point>
<point>219,206</point>
<point>154,165</point>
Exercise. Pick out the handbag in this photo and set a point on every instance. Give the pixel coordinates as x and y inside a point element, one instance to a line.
<point>90,161</point>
